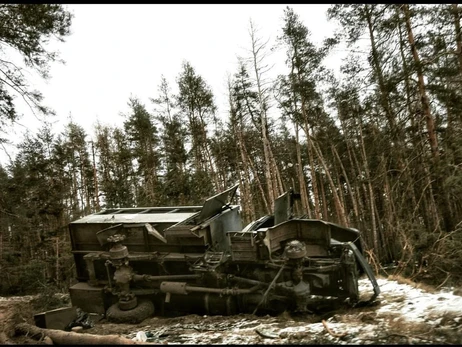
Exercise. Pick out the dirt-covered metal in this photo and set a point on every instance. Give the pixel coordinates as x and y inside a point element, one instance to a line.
<point>200,259</point>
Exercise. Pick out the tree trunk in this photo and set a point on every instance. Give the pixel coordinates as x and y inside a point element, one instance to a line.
<point>57,261</point>
<point>257,179</point>
<point>347,182</point>
<point>422,89</point>
<point>442,198</point>
<point>301,175</point>
<point>458,33</point>
<point>375,238</point>
<point>378,72</point>
<point>324,203</point>
<point>338,205</point>
<point>247,163</point>
<point>314,184</point>
<point>271,170</point>
<point>208,156</point>
<point>245,185</point>
<point>95,179</point>
<point>340,188</point>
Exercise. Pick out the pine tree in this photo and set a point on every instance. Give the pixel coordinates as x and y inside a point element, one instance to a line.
<point>25,29</point>
<point>197,107</point>
<point>306,103</point>
<point>75,157</point>
<point>173,138</point>
<point>244,121</point>
<point>143,138</point>
<point>117,180</point>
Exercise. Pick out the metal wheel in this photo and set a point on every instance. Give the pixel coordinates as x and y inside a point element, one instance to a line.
<point>136,315</point>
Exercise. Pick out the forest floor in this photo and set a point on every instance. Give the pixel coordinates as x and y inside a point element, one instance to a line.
<point>404,313</point>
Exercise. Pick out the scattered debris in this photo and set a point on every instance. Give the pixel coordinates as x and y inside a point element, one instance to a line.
<point>140,337</point>
<point>267,333</point>
<point>56,319</point>
<point>432,318</point>
<point>82,320</point>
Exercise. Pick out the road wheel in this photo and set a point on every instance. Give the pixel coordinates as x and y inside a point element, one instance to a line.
<point>126,305</point>
<point>136,315</point>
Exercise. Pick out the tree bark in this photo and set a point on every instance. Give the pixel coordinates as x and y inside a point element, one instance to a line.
<point>245,168</point>
<point>347,182</point>
<point>378,72</point>
<point>338,205</point>
<point>271,169</point>
<point>95,179</point>
<point>375,238</point>
<point>314,184</point>
<point>422,89</point>
<point>301,175</point>
<point>458,33</point>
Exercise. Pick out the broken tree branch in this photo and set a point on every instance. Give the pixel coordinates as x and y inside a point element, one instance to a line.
<point>331,332</point>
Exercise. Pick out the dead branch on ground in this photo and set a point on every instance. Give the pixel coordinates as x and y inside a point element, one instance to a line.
<point>331,332</point>
<point>60,337</point>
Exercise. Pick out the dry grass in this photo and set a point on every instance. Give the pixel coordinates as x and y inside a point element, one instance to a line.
<point>11,314</point>
<point>402,280</point>
<point>397,330</point>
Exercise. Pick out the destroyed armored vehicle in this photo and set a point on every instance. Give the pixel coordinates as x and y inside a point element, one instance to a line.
<point>199,259</point>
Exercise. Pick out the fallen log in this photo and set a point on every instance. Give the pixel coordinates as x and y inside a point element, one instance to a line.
<point>60,337</point>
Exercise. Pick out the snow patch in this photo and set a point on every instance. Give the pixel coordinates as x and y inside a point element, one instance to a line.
<point>400,307</point>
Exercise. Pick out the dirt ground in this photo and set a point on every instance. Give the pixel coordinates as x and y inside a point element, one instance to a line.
<point>13,311</point>
<point>241,328</point>
<point>184,329</point>
<point>402,314</point>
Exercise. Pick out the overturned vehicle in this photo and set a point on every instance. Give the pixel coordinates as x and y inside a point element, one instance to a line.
<point>131,262</point>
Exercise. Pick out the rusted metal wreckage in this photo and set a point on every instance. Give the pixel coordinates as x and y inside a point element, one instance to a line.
<point>199,259</point>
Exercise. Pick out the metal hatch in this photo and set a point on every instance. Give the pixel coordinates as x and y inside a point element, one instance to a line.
<point>214,204</point>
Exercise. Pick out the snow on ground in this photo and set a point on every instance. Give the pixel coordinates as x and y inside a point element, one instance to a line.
<point>416,305</point>
<point>403,314</point>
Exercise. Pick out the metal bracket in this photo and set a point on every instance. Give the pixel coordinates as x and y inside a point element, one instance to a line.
<point>367,269</point>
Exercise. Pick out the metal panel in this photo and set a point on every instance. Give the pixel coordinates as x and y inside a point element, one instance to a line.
<point>312,232</point>
<point>87,298</point>
<point>242,246</point>
<point>56,319</point>
<point>229,220</point>
<point>214,204</point>
<point>282,208</point>
<point>136,218</point>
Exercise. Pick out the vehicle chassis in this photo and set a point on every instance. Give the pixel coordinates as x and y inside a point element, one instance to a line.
<point>199,259</point>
